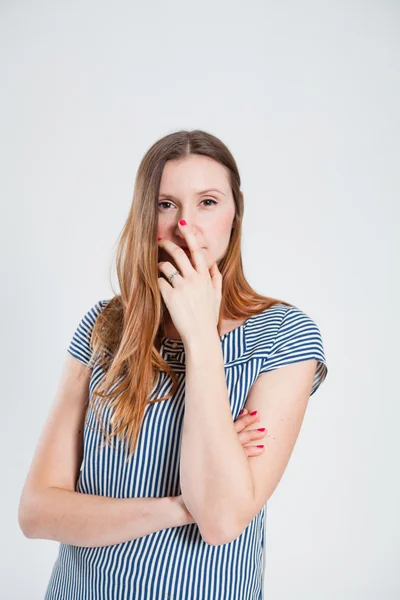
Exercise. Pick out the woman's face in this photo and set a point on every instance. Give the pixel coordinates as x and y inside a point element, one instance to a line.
<point>209,215</point>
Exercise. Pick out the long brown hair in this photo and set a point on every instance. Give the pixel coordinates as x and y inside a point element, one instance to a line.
<point>127,333</point>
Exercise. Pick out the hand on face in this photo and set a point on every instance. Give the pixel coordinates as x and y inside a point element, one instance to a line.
<point>193,297</point>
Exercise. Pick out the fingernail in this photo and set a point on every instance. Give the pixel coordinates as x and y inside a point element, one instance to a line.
<point>182,222</point>
<point>261,429</point>
<point>242,411</point>
<point>261,446</point>
<point>253,413</point>
<point>158,239</point>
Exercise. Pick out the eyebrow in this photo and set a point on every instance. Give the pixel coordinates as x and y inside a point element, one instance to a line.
<point>198,193</point>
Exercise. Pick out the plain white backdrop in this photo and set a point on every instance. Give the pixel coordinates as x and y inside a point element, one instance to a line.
<point>306,96</point>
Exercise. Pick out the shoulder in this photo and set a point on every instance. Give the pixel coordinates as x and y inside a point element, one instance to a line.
<point>284,335</point>
<point>264,327</point>
<point>80,343</point>
<point>97,308</point>
<point>89,318</point>
<point>279,320</point>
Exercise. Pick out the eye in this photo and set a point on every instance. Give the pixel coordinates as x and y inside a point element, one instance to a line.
<point>205,200</point>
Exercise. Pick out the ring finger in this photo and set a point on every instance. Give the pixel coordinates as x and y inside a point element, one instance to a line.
<point>168,269</point>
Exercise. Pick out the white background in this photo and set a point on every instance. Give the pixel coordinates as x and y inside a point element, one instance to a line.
<point>306,96</point>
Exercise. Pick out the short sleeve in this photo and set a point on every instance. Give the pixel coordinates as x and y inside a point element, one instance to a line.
<point>298,338</point>
<point>79,346</point>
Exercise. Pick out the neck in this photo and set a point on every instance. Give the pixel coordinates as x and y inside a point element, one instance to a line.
<point>170,329</point>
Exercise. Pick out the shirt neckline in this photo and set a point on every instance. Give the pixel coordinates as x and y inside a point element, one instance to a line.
<point>176,344</point>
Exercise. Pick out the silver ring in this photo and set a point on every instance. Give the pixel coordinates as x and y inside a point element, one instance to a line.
<point>173,275</point>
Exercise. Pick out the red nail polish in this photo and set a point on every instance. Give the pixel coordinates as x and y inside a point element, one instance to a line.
<point>182,222</point>
<point>261,429</point>
<point>262,446</point>
<point>253,413</point>
<point>158,239</point>
<point>242,411</point>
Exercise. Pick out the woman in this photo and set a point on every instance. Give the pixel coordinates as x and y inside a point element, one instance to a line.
<point>150,472</point>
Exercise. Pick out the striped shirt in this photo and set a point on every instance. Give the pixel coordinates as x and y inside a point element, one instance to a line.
<point>176,563</point>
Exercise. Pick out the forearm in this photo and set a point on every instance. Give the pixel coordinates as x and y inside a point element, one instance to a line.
<point>215,477</point>
<point>88,520</point>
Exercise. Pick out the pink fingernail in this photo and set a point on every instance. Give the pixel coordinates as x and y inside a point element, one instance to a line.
<point>182,222</point>
<point>260,446</point>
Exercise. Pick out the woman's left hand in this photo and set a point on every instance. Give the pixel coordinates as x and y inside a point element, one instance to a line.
<point>193,298</point>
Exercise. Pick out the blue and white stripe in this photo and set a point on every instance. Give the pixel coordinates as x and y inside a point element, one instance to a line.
<point>176,563</point>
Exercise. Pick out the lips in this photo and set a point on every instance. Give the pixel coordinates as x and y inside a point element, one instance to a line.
<point>186,249</point>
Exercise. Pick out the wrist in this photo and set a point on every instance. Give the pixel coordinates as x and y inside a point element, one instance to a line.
<point>201,340</point>
<point>181,514</point>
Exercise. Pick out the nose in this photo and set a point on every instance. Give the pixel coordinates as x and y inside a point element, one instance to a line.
<point>191,228</point>
<point>181,240</point>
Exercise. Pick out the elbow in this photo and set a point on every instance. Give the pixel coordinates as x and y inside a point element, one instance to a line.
<point>28,517</point>
<point>25,523</point>
<point>213,538</point>
<point>218,539</point>
<point>217,533</point>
